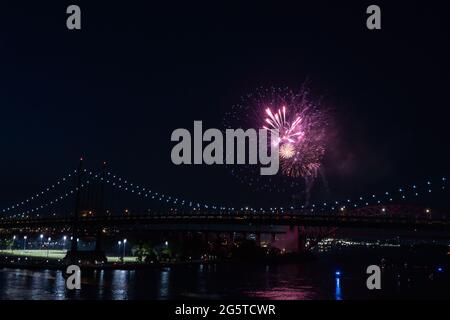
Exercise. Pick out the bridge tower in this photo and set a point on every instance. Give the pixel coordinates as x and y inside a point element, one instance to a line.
<point>101,210</point>
<point>301,240</point>
<point>74,256</point>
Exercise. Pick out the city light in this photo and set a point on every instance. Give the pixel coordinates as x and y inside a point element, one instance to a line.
<point>24,242</point>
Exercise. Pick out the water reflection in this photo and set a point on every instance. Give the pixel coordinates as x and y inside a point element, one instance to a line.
<point>119,287</point>
<point>295,281</point>
<point>338,294</point>
<point>164,283</point>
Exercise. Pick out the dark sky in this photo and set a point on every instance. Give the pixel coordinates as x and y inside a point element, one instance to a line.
<point>116,89</point>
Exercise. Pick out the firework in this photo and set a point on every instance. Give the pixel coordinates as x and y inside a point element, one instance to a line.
<point>301,123</point>
<point>301,136</point>
<point>287,151</point>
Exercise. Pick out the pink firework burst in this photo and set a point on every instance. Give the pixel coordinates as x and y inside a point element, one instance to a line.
<point>289,132</point>
<point>301,122</point>
<point>301,128</point>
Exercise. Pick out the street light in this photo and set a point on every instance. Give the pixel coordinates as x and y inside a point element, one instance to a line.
<point>12,243</point>
<point>24,242</point>
<point>42,237</point>
<point>48,246</point>
<point>124,244</point>
<point>64,243</point>
<point>118,248</point>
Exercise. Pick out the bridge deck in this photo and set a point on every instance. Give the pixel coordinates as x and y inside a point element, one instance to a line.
<point>350,221</point>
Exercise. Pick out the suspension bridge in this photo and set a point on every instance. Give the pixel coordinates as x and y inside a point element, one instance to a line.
<point>77,204</point>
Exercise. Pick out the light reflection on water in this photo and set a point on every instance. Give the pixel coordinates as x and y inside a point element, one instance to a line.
<point>338,293</point>
<point>203,281</point>
<point>164,283</point>
<point>295,281</point>
<point>119,284</point>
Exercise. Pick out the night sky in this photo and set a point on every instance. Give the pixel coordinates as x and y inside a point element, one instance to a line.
<point>116,89</point>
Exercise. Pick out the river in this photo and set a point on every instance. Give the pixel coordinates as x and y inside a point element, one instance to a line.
<point>337,274</point>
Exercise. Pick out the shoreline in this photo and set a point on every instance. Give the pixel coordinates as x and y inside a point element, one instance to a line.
<point>53,264</point>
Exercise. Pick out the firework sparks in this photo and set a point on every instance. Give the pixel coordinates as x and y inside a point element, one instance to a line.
<point>300,141</point>
<point>289,132</point>
<point>287,151</point>
<point>301,125</point>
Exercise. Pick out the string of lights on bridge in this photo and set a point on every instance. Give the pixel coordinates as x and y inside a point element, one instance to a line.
<point>65,179</point>
<point>59,198</point>
<point>373,199</point>
<point>174,202</point>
